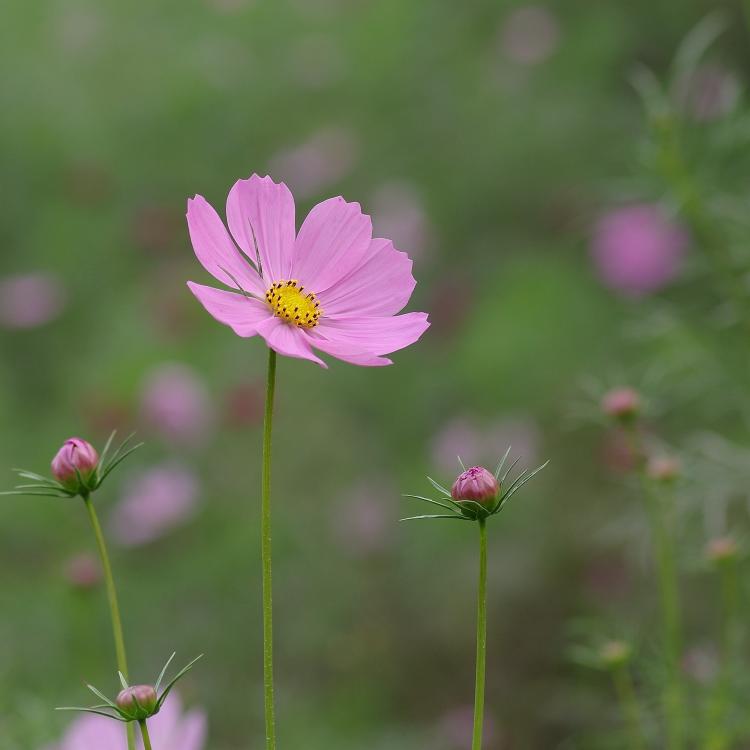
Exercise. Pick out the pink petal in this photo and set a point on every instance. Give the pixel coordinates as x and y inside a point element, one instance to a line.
<point>287,340</point>
<point>215,250</point>
<point>381,285</point>
<point>242,314</point>
<point>332,241</point>
<point>374,334</point>
<point>258,206</point>
<point>347,352</point>
<point>191,735</point>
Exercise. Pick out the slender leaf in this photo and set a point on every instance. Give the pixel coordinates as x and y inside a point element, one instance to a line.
<point>454,516</point>
<point>439,487</point>
<point>172,682</point>
<point>163,671</point>
<point>501,463</point>
<point>430,500</point>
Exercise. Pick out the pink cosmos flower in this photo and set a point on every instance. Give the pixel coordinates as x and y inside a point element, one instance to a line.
<point>30,300</point>
<point>175,403</point>
<point>170,729</point>
<point>637,249</point>
<point>154,503</point>
<point>331,287</point>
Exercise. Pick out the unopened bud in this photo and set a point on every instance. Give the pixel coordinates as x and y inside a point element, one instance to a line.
<point>614,654</point>
<point>622,404</point>
<point>478,485</point>
<point>138,702</point>
<point>74,463</point>
<point>722,549</point>
<point>663,468</point>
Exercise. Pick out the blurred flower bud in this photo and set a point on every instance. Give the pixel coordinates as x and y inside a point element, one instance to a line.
<point>663,468</point>
<point>138,702</point>
<point>83,571</point>
<point>721,550</point>
<point>615,654</point>
<point>75,464</point>
<point>476,485</point>
<point>622,404</point>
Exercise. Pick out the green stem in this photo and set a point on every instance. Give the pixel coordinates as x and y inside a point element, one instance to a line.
<point>629,705</point>
<point>114,607</point>
<point>670,600</point>
<point>266,555</point>
<point>144,732</point>
<point>481,638</point>
<point>719,736</point>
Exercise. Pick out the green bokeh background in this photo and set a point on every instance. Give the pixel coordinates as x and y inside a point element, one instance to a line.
<point>115,113</point>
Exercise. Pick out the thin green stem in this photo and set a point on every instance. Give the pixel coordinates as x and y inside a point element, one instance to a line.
<point>674,702</point>
<point>266,555</point>
<point>481,638</point>
<point>719,737</point>
<point>144,732</point>
<point>629,705</point>
<point>114,607</point>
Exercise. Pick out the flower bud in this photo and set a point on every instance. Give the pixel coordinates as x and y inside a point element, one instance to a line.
<point>614,654</point>
<point>138,702</point>
<point>75,459</point>
<point>721,550</point>
<point>663,468</point>
<point>477,485</point>
<point>622,404</point>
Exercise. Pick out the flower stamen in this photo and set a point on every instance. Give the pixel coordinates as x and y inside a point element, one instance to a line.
<point>289,301</point>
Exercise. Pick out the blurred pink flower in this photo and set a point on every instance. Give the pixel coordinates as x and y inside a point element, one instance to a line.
<point>638,249</point>
<point>530,35</point>
<point>711,92</point>
<point>243,404</point>
<point>398,212</point>
<point>176,404</point>
<point>170,729</point>
<point>83,571</point>
<point>362,519</point>
<point>153,503</point>
<point>484,446</point>
<point>320,162</point>
<point>457,725</point>
<point>330,286</point>
<point>30,300</point>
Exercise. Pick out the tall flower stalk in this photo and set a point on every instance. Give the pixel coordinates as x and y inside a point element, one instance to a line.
<point>330,286</point>
<point>114,606</point>
<point>481,661</point>
<point>270,712</point>
<point>477,495</point>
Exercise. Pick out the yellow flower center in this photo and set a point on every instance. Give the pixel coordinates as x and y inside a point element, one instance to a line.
<point>289,301</point>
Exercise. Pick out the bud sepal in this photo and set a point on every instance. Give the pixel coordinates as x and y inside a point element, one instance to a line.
<point>134,702</point>
<point>490,499</point>
<point>81,475</point>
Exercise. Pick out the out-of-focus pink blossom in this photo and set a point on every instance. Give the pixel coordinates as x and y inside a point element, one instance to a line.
<point>154,502</point>
<point>320,162</point>
<point>170,729</point>
<point>175,404</point>
<point>243,404</point>
<point>487,445</point>
<point>710,93</point>
<point>30,300</point>
<point>362,521</point>
<point>398,212</point>
<point>621,403</point>
<point>530,35</point>
<point>457,725</point>
<point>637,249</point>
<point>83,571</point>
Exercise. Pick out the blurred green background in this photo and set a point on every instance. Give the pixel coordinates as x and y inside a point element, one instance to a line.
<point>486,138</point>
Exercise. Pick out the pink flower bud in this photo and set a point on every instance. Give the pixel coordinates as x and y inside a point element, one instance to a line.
<point>477,485</point>
<point>722,550</point>
<point>621,403</point>
<point>663,468</point>
<point>138,701</point>
<point>76,458</point>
